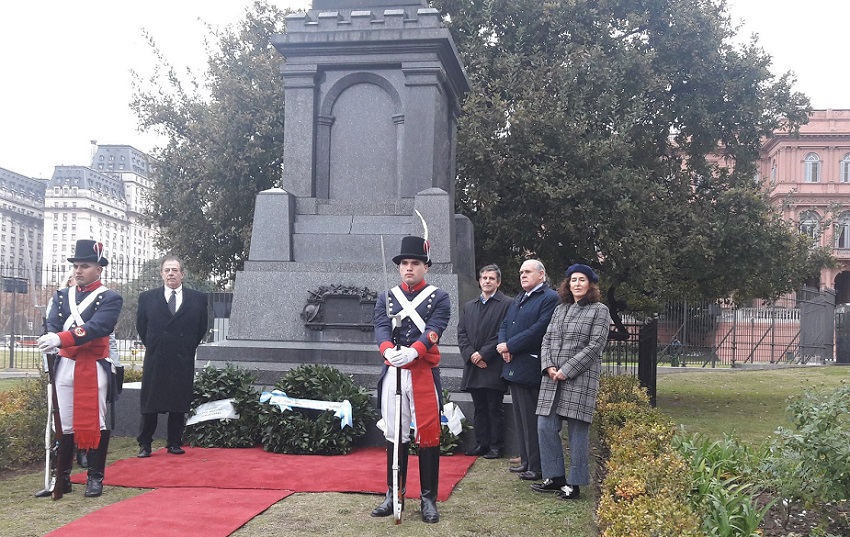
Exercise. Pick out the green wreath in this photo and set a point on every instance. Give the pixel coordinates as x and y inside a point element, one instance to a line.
<point>301,431</point>
<point>232,382</point>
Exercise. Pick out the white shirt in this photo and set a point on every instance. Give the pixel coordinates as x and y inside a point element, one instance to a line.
<point>178,298</point>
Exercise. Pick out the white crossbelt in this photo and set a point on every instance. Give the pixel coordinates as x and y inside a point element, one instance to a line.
<point>408,307</point>
<point>75,309</point>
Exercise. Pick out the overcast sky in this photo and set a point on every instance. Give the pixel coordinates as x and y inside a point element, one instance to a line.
<point>65,65</point>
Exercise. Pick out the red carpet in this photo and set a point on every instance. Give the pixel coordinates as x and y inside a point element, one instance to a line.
<point>363,470</point>
<point>175,511</point>
<point>213,492</point>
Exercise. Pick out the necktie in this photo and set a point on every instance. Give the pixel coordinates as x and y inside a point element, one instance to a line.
<point>172,302</point>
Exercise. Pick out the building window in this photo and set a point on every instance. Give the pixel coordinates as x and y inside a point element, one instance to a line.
<point>773,173</point>
<point>842,231</point>
<point>845,168</point>
<point>810,225</point>
<point>812,168</point>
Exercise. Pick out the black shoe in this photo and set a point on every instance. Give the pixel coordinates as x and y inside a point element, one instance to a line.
<point>175,450</point>
<point>549,485</point>
<point>531,476</point>
<point>568,492</point>
<point>477,451</point>
<point>94,487</point>
<point>518,469</point>
<point>144,451</point>
<point>386,507</point>
<point>428,508</point>
<point>493,454</point>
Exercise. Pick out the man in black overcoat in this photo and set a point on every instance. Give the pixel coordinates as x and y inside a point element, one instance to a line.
<point>171,321</point>
<point>477,335</point>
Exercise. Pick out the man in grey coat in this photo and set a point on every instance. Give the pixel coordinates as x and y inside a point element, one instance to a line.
<point>171,321</point>
<point>477,335</point>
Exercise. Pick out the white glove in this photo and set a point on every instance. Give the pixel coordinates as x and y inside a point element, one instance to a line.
<point>49,342</point>
<point>391,354</point>
<point>405,356</point>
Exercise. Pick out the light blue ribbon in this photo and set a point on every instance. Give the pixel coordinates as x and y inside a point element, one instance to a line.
<point>342,410</point>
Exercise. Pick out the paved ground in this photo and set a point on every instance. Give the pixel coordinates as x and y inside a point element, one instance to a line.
<point>17,373</point>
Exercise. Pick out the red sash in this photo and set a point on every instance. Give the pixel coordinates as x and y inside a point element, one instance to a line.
<point>86,405</point>
<point>425,398</point>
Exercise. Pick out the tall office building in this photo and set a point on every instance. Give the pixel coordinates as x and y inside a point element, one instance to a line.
<point>21,224</point>
<point>104,201</point>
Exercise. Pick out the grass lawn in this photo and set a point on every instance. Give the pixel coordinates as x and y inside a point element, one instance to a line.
<point>489,501</point>
<point>747,404</point>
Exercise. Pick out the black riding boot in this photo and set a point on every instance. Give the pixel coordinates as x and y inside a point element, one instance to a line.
<point>429,477</point>
<point>97,465</point>
<point>64,464</point>
<point>386,507</point>
<point>82,458</point>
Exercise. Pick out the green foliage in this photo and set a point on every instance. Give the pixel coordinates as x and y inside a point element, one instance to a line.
<point>654,474</point>
<point>646,484</point>
<point>449,441</point>
<point>225,143</point>
<point>809,465</point>
<point>23,414</point>
<point>132,374</point>
<point>722,488</point>
<point>617,156</point>
<point>621,399</point>
<point>235,383</point>
<point>304,431</point>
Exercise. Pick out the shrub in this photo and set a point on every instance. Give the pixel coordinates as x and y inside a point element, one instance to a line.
<point>304,431</point>
<point>23,414</point>
<point>809,466</point>
<point>132,374</point>
<point>723,491</point>
<point>646,483</point>
<point>232,382</point>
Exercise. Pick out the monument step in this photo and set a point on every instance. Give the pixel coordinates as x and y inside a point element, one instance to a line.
<point>375,207</point>
<point>353,224</point>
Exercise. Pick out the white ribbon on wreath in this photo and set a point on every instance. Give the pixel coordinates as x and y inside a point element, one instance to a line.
<point>342,410</point>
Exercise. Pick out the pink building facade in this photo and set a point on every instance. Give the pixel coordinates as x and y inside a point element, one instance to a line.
<point>809,177</point>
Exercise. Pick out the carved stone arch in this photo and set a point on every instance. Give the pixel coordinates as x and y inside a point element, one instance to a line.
<point>326,108</point>
<point>359,134</point>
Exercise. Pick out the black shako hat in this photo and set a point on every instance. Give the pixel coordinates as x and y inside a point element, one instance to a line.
<point>414,248</point>
<point>89,250</point>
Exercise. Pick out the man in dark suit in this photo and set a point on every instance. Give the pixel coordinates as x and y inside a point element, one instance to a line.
<point>171,321</point>
<point>520,338</point>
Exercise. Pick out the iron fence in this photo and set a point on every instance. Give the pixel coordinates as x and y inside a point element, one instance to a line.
<point>793,329</point>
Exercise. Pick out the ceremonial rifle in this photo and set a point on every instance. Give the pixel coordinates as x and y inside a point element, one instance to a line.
<point>57,420</point>
<point>396,320</point>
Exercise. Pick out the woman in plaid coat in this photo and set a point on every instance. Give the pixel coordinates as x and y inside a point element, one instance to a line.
<point>571,363</point>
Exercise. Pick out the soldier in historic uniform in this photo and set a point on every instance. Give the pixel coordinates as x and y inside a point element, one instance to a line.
<point>423,313</point>
<point>80,321</point>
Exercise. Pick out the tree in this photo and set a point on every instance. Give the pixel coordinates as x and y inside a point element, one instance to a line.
<point>587,137</point>
<point>225,144</point>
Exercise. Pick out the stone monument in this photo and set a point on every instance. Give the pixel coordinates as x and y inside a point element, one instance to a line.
<point>372,98</point>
